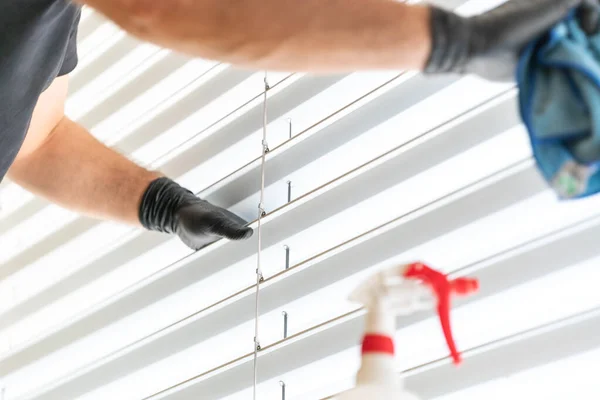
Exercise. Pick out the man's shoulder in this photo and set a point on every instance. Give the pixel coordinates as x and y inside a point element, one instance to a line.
<point>37,41</point>
<point>36,37</point>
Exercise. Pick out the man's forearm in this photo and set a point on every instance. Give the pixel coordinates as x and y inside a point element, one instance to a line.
<point>292,35</point>
<point>76,171</point>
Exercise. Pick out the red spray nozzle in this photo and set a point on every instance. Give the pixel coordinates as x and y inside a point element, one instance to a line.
<point>443,288</point>
<point>464,286</point>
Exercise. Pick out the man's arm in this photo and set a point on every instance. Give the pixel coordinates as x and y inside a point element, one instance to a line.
<point>344,35</point>
<point>62,162</point>
<point>290,35</point>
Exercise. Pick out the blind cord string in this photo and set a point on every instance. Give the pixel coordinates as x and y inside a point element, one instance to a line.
<point>261,214</point>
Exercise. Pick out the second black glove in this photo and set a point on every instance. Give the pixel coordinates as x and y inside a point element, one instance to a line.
<point>489,44</point>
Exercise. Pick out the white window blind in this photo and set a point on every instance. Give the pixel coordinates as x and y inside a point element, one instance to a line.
<point>364,171</point>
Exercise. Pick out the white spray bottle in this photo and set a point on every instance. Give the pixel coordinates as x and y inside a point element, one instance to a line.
<point>398,291</point>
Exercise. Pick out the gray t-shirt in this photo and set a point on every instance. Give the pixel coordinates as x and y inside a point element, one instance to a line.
<point>37,44</point>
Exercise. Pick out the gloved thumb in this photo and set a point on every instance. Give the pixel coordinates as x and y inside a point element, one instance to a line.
<point>588,15</point>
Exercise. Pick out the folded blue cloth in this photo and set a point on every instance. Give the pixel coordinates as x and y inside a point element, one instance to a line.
<point>559,95</point>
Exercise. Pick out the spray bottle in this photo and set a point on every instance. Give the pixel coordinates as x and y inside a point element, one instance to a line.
<point>399,291</point>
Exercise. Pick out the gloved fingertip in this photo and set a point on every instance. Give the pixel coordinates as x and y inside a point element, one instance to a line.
<point>248,233</point>
<point>241,233</point>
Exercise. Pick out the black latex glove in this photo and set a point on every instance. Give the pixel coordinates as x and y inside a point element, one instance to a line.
<point>489,44</point>
<point>170,208</point>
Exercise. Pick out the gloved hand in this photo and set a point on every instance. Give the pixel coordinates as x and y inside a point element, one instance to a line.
<point>489,44</point>
<point>170,208</point>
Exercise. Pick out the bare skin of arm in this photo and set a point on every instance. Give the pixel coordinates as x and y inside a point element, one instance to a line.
<point>289,35</point>
<point>62,162</point>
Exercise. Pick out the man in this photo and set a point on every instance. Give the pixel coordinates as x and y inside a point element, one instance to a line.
<point>54,157</point>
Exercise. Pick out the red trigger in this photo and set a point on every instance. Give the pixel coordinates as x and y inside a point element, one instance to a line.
<point>443,289</point>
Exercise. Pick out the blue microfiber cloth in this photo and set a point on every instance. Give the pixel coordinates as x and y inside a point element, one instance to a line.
<point>559,94</point>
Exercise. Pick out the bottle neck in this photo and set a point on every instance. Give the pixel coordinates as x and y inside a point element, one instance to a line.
<point>377,362</point>
<point>378,322</point>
